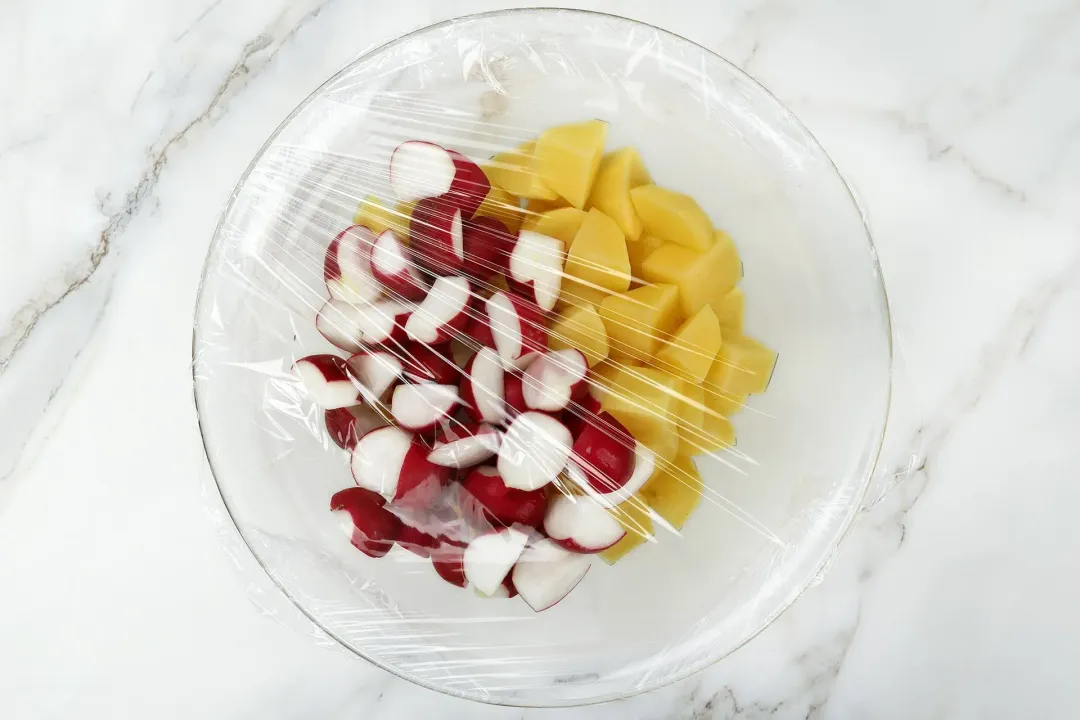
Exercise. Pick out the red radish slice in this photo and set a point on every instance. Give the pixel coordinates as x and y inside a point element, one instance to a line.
<point>371,527</point>
<point>482,387</point>
<point>488,244</point>
<point>463,446</point>
<point>546,573</point>
<point>448,561</point>
<point>347,268</point>
<point>605,451</point>
<point>437,237</point>
<point>416,540</point>
<point>390,462</point>
<point>376,371</point>
<point>644,465</point>
<point>489,558</point>
<point>534,451</point>
<point>581,413</point>
<point>347,425</point>
<point>580,524</point>
<point>326,379</point>
<point>502,505</point>
<point>339,322</point>
<point>443,312</point>
<point>420,169</point>
<point>536,267</point>
<point>420,407</point>
<point>478,330</point>
<point>394,270</point>
<point>518,328</point>
<point>427,364</point>
<point>514,395</point>
<point>383,322</point>
<point>555,379</point>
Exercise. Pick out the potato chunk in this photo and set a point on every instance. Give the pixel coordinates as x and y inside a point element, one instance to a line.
<point>598,256</point>
<point>568,156</point>
<point>703,278</point>
<point>515,172</point>
<point>637,319</point>
<point>673,217</point>
<point>581,328</point>
<point>674,491</point>
<point>620,172</point>
<point>743,366</point>
<point>691,350</point>
<point>560,223</point>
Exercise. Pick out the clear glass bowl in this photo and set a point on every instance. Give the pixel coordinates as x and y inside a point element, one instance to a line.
<point>806,449</point>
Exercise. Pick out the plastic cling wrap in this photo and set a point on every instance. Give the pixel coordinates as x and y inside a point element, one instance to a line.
<point>542,358</point>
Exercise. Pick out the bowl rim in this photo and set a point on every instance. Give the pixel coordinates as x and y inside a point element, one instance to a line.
<point>856,504</point>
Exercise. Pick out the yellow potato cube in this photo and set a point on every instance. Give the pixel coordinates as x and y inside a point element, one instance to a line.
<point>620,172</point>
<point>379,214</point>
<point>730,311</point>
<point>534,206</point>
<point>574,293</point>
<point>581,328</point>
<point>598,256</point>
<point>643,399</point>
<point>674,491</point>
<point>692,349</point>
<point>717,433</point>
<point>743,366</point>
<point>634,515</point>
<point>691,416</point>
<point>502,206</point>
<point>561,223</point>
<point>673,217</point>
<point>515,171</point>
<point>703,278</point>
<point>637,319</point>
<point>637,252</point>
<point>568,156</point>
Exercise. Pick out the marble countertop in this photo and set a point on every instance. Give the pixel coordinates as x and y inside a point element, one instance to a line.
<point>127,125</point>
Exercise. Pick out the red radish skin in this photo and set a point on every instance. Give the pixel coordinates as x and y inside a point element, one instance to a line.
<point>536,268</point>
<point>643,467</point>
<point>463,446</point>
<point>448,561</point>
<point>443,313</point>
<point>376,371</point>
<point>347,267</point>
<point>346,426</point>
<point>489,558</point>
<point>502,505</point>
<point>392,267</point>
<point>326,379</point>
<point>555,379</point>
<point>515,395</point>
<point>416,540</point>
<point>580,414</point>
<point>373,528</point>
<point>421,169</point>
<point>605,451</point>
<point>482,387</point>
<point>478,330</point>
<point>547,573</point>
<point>534,451</point>
<point>580,524</point>
<point>390,462</point>
<point>437,241</point>
<point>519,328</point>
<point>488,244</point>
<point>427,364</point>
<point>420,407</point>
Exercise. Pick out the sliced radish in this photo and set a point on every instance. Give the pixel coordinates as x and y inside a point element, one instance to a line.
<point>605,451</point>
<point>534,451</point>
<point>448,561</point>
<point>376,371</point>
<point>443,312</point>
<point>482,387</point>
<point>555,379</point>
<point>326,379</point>
<point>489,558</point>
<point>339,322</point>
<point>392,268</point>
<point>502,505</point>
<point>488,244</point>
<point>546,573</point>
<point>383,322</point>
<point>371,527</point>
<point>536,268</point>
<point>505,591</point>
<point>518,328</point>
<point>420,407</point>
<point>478,330</point>
<point>416,540</point>
<point>347,268</point>
<point>581,413</point>
<point>644,465</point>
<point>580,524</point>
<point>427,364</point>
<point>347,425</point>
<point>391,462</point>
<point>514,395</point>
<point>420,169</point>
<point>437,237</point>
<point>463,446</point>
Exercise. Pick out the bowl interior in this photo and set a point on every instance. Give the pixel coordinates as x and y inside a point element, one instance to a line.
<point>776,505</point>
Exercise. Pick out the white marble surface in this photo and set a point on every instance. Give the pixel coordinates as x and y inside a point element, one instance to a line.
<point>125,127</point>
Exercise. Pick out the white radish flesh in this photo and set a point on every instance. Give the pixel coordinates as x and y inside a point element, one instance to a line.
<point>421,406</point>
<point>546,573</point>
<point>534,451</point>
<point>554,379</point>
<point>536,263</point>
<point>376,371</point>
<point>444,311</point>
<point>482,387</point>
<point>464,447</point>
<point>490,558</point>
<point>581,524</point>
<point>326,379</point>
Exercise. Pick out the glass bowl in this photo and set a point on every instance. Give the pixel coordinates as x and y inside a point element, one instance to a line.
<point>781,500</point>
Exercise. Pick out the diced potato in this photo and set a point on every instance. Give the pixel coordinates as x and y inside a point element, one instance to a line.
<point>620,172</point>
<point>691,414</point>
<point>729,311</point>
<point>643,399</point>
<point>515,171</point>
<point>378,214</point>
<point>674,491</point>
<point>637,252</point>
<point>568,156</point>
<point>634,515</point>
<point>581,328</point>
<point>717,433</point>
<point>673,217</point>
<point>598,256</point>
<point>724,403</point>
<point>637,319</point>
<point>533,206</point>
<point>692,349</point>
<point>743,366</point>
<point>703,278</point>
<point>561,223</point>
<point>575,293</point>
<point>502,206</point>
